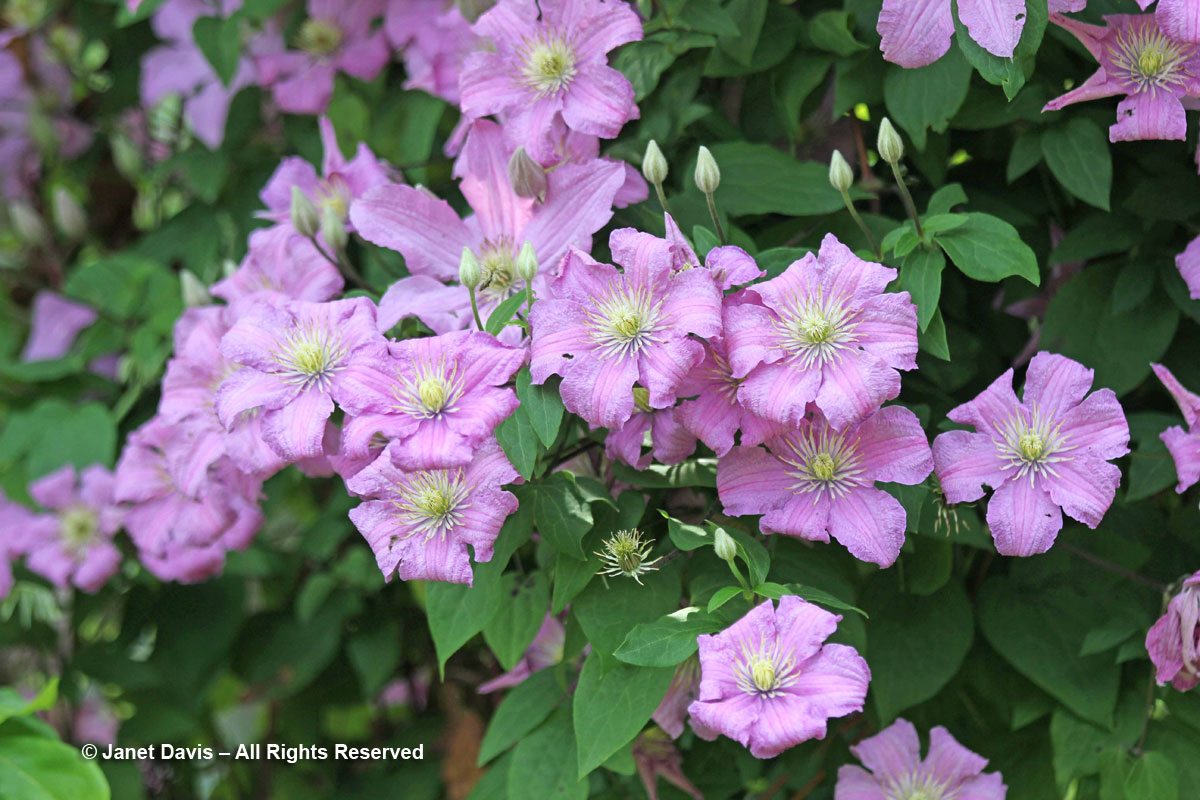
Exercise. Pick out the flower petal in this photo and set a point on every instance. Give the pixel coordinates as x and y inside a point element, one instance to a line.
<point>995,24</point>
<point>870,524</point>
<point>1023,519</point>
<point>893,752</point>
<point>915,32</point>
<point>965,462</point>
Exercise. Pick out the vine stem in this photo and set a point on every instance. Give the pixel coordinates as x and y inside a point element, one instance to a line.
<point>1115,568</point>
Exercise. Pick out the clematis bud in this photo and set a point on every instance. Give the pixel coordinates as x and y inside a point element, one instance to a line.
<point>841,177</point>
<point>527,263</point>
<point>1172,640</point>
<point>889,144</point>
<point>469,273</point>
<point>69,216</point>
<point>304,214</point>
<point>626,554</point>
<point>708,175</point>
<point>654,164</point>
<point>527,176</point>
<point>26,223</point>
<point>194,292</point>
<point>228,267</point>
<point>333,229</point>
<point>724,545</point>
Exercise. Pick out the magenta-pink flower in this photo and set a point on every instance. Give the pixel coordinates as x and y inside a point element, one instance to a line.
<point>55,324</point>
<point>550,59</point>
<point>73,543</point>
<point>298,358</point>
<point>670,442</point>
<point>437,399</point>
<point>1044,454</point>
<point>917,32</point>
<point>431,236</point>
<point>337,36</point>
<point>770,682</point>
<point>716,415</point>
<point>1137,60</point>
<point>824,331</point>
<point>1178,19</point>
<point>420,523</point>
<point>1174,640</point>
<point>282,262</point>
<point>1184,446</point>
<point>545,650</point>
<point>435,39</point>
<point>730,266</point>
<point>604,330</point>
<point>815,481</point>
<point>1188,263</point>
<point>895,770</point>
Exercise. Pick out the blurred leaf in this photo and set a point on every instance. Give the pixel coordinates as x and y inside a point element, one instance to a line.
<point>611,707</point>
<point>522,709</point>
<point>924,99</point>
<point>35,768</point>
<point>525,599</point>
<point>220,40</point>
<point>1077,153</point>
<point>544,763</point>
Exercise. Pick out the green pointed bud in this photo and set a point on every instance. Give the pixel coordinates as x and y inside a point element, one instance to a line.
<point>194,292</point>
<point>228,267</point>
<point>469,273</point>
<point>708,175</point>
<point>841,177</point>
<point>654,164</point>
<point>527,263</point>
<point>889,144</point>
<point>27,224</point>
<point>69,216</point>
<point>333,229</point>
<point>527,176</point>
<point>305,218</point>
<point>724,545</point>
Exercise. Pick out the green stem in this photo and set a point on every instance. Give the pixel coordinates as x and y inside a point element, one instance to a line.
<point>712,212</point>
<point>528,299</point>
<point>862,226</point>
<point>909,206</point>
<point>343,265</point>
<point>475,307</point>
<point>662,198</point>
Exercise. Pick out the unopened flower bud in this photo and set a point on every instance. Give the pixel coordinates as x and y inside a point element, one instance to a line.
<point>708,175</point>
<point>841,177</point>
<point>194,292</point>
<point>724,545</point>
<point>527,263</point>
<point>889,144</point>
<point>654,164</point>
<point>305,218</point>
<point>469,273</point>
<point>69,216</point>
<point>228,267</point>
<point>527,176</point>
<point>333,229</point>
<point>26,223</point>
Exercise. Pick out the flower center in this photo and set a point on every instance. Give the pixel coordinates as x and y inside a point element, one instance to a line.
<point>311,355</point>
<point>764,671</point>
<point>626,553</point>
<point>319,37</point>
<point>431,392</point>
<point>918,787</point>
<point>625,321</point>
<point>78,528</point>
<point>432,502</point>
<point>814,330</point>
<point>1145,57</point>
<point>822,462</point>
<point>547,63</point>
<point>1031,443</point>
<point>497,261</point>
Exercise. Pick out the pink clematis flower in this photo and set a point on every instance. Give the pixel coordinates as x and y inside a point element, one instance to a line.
<point>1137,60</point>
<point>917,32</point>
<point>56,323</point>
<point>715,415</point>
<point>438,399</point>
<point>579,201</point>
<point>604,330</point>
<point>670,442</point>
<point>824,331</point>
<point>730,266</point>
<point>435,38</point>
<point>1188,264</point>
<point>1174,640</point>
<point>298,359</point>
<point>420,523</point>
<point>337,36</point>
<point>893,758</point>
<point>74,543</point>
<point>1184,446</point>
<point>817,481</point>
<point>545,650</point>
<point>1178,19</point>
<point>550,60</point>
<point>1043,455</point>
<point>281,262</point>
<point>770,682</point>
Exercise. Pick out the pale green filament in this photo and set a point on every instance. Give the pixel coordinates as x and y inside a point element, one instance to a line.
<point>624,321</point>
<point>78,528</point>
<point>548,63</point>
<point>432,390</point>
<point>918,787</point>
<point>823,463</point>
<point>815,329</point>
<point>1031,443</point>
<point>432,502</point>
<point>311,354</point>
<point>319,37</point>
<point>764,670</point>
<point>626,554</point>
<point>1145,57</point>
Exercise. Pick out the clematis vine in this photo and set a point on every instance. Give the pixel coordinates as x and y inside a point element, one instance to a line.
<point>1174,640</point>
<point>896,771</point>
<point>816,481</point>
<point>770,681</point>
<point>1184,446</point>
<point>1044,454</point>
<point>917,32</point>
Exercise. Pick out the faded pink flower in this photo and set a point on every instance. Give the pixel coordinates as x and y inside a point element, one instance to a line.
<point>1045,454</point>
<point>770,682</point>
<point>1174,640</point>
<point>435,39</point>
<point>73,543</point>
<point>917,32</point>
<point>816,481</point>
<point>656,757</point>
<point>685,687</point>
<point>56,323</point>
<point>896,771</point>
<point>1184,446</point>
<point>545,650</point>
<point>670,442</point>
<point>1188,263</point>
<point>282,262</point>
<point>715,415</point>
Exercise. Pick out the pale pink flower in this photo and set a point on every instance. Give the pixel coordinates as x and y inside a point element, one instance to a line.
<point>1173,642</point>
<point>917,32</point>
<point>73,543</point>
<point>1184,446</point>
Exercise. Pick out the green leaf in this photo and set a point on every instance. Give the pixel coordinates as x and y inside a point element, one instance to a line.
<point>945,199</point>
<point>220,40</point>
<point>684,536</point>
<point>915,645</point>
<point>707,16</point>
<point>921,276</point>
<point>519,441</point>
<point>705,240</point>
<point>611,707</point>
<point>561,514</point>
<point>1078,155</point>
<point>833,30</point>
<point>1026,154</point>
<point>751,551</point>
<point>374,652</point>
<point>1008,73</point>
<point>758,179</point>
<point>693,472</point>
<point>571,576</point>
<point>1151,468</point>
<point>544,763</point>
<point>814,595</point>
<point>924,99</point>
<point>933,339</point>
<point>777,259</point>
<point>503,313</point>
<point>1098,235</point>
<point>52,433</point>
<point>987,248</point>
<point>1150,776</point>
<point>13,704</point>
<point>750,15</point>
<point>607,613</point>
<point>666,641</point>
<point>722,596</point>
<point>522,709</point>
<point>543,406</point>
<point>524,600</point>
<point>37,768</point>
